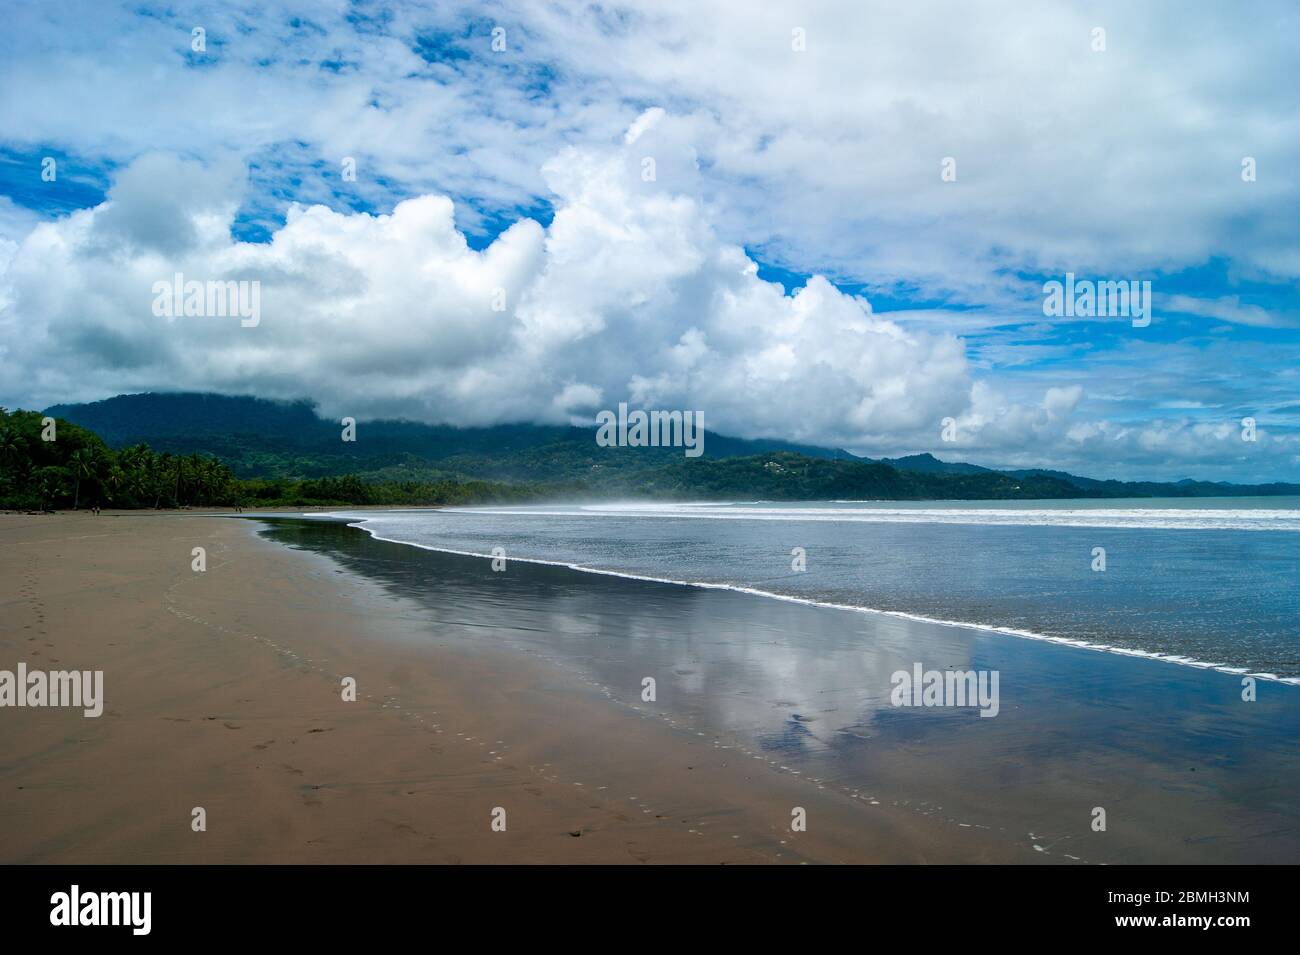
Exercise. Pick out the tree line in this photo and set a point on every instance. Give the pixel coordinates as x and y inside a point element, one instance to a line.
<point>51,463</point>
<point>47,464</point>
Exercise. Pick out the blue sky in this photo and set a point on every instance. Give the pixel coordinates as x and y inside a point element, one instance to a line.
<point>797,266</point>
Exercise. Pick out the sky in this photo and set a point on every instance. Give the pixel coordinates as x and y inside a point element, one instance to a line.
<point>825,222</point>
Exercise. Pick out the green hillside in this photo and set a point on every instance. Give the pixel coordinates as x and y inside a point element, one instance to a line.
<point>192,449</point>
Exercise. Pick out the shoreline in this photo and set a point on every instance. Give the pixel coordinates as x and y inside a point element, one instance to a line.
<point>803,689</point>
<point>852,608</point>
<point>220,693</point>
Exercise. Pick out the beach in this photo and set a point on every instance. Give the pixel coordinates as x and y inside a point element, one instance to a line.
<point>513,698</point>
<point>221,693</point>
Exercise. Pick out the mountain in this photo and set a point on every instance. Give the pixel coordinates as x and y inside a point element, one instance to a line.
<point>928,464</point>
<point>1184,488</point>
<point>257,437</point>
<point>793,477</point>
<point>289,440</point>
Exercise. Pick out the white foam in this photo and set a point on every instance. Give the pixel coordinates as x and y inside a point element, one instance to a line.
<point>1153,518</point>
<point>755,591</point>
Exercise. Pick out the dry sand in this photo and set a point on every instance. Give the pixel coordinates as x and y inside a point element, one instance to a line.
<point>223,691</point>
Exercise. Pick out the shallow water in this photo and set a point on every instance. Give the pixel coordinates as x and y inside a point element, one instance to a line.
<point>1185,769</point>
<point>1210,582</point>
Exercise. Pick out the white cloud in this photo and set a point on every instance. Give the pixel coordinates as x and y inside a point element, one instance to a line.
<point>629,294</point>
<point>1229,308</point>
<point>1120,163</point>
<point>1123,162</point>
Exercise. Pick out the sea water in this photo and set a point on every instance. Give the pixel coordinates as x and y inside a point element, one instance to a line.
<point>1211,582</point>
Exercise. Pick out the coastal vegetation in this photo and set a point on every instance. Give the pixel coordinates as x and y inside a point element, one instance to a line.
<point>165,451</point>
<point>77,469</point>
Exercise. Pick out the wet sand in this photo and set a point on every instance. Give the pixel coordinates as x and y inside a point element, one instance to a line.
<point>223,692</point>
<point>1185,770</point>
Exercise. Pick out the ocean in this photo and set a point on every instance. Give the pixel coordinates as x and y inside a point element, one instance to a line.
<point>794,671</point>
<point>1202,582</point>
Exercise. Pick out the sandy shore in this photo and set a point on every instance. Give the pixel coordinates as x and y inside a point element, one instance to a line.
<point>223,692</point>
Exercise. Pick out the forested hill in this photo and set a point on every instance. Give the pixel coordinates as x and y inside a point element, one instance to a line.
<point>257,438</point>
<point>263,438</point>
<point>44,467</point>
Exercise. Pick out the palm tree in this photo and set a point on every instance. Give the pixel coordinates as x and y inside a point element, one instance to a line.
<point>84,466</point>
<point>133,461</point>
<point>194,463</point>
<point>161,464</point>
<point>211,479</point>
<point>49,484</point>
<point>132,458</point>
<point>24,473</point>
<point>117,479</point>
<point>11,445</point>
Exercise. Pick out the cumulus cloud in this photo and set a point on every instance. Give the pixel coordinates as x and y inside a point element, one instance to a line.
<point>1125,161</point>
<point>629,294</point>
<point>1120,163</point>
